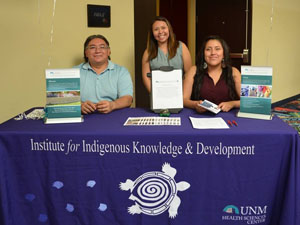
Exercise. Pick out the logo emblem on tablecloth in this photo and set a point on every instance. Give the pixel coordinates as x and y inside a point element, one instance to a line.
<point>246,214</point>
<point>155,192</point>
<point>231,209</point>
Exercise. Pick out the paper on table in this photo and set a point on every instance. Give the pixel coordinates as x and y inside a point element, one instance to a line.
<point>208,123</point>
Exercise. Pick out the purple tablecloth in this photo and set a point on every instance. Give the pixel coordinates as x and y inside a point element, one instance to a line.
<point>101,172</point>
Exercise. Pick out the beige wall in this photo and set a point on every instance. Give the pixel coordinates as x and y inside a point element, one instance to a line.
<point>27,28</point>
<point>36,35</point>
<point>275,42</point>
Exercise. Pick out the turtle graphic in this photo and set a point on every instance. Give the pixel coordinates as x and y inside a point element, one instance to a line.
<point>155,192</point>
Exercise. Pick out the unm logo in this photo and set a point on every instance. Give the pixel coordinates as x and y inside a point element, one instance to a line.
<point>231,209</point>
<point>155,192</point>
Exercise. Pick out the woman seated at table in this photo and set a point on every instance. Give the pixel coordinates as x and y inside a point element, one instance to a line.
<point>212,78</point>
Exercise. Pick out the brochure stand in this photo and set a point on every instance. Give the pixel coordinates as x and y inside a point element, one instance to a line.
<point>166,90</point>
<point>256,92</point>
<point>63,96</point>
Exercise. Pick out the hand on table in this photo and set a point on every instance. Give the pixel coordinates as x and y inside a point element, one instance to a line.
<point>88,107</point>
<point>105,106</point>
<point>226,106</point>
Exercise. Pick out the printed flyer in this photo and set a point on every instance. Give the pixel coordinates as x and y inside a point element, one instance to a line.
<point>63,96</point>
<point>256,92</point>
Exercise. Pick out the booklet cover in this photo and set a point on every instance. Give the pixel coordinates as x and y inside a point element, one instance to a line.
<point>256,92</point>
<point>210,106</point>
<point>63,96</point>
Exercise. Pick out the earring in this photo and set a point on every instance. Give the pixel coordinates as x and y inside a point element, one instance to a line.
<point>223,63</point>
<point>204,65</point>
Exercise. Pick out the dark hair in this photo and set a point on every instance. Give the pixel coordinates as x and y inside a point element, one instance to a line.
<point>87,41</point>
<point>152,45</point>
<point>226,69</point>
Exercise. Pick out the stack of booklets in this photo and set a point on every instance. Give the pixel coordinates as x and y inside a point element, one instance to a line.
<point>63,96</point>
<point>256,92</point>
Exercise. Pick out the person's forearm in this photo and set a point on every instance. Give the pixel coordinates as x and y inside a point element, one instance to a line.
<point>122,102</point>
<point>190,104</point>
<point>236,104</point>
<point>147,84</point>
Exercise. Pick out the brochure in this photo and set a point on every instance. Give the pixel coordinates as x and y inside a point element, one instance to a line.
<point>210,106</point>
<point>256,92</point>
<point>63,96</point>
<point>153,121</point>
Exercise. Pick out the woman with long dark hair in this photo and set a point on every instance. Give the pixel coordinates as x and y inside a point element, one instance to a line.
<point>212,78</point>
<point>163,50</point>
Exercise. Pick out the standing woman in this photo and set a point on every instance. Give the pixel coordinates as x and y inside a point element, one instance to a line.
<point>163,50</point>
<point>212,78</point>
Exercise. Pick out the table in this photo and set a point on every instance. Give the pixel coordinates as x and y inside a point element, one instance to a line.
<point>101,172</point>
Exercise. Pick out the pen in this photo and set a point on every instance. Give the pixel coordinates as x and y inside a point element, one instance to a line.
<point>229,123</point>
<point>235,123</point>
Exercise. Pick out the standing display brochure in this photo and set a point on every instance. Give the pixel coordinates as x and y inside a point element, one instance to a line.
<point>166,91</point>
<point>63,96</point>
<point>256,92</point>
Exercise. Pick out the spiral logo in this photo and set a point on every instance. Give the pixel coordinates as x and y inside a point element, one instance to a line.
<point>153,192</point>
